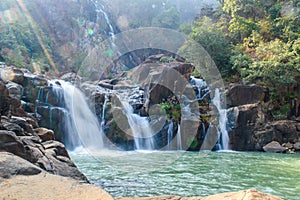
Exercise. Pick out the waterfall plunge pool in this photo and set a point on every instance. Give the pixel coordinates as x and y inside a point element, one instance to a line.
<point>137,174</point>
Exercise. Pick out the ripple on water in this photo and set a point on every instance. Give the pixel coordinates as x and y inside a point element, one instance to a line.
<point>189,173</point>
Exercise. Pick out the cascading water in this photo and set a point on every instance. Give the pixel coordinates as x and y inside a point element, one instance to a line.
<point>103,111</point>
<point>201,87</point>
<point>170,135</point>
<point>100,9</point>
<point>81,124</point>
<point>140,128</point>
<point>178,138</point>
<point>222,130</point>
<point>203,92</point>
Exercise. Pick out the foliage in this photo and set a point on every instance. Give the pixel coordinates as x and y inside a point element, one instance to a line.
<point>213,40</point>
<point>173,110</point>
<point>260,40</point>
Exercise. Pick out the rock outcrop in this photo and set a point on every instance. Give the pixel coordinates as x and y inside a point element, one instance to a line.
<point>32,183</point>
<point>254,128</point>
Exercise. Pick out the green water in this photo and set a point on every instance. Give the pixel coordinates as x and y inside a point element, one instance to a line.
<point>191,173</point>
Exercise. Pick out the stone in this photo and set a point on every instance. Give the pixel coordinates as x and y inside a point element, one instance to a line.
<point>11,165</point>
<point>44,134</point>
<point>251,194</point>
<point>274,147</point>
<point>46,186</point>
<point>11,143</point>
<point>15,90</point>
<point>238,95</point>
<point>297,146</point>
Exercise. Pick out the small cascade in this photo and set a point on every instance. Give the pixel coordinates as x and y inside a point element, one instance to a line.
<point>170,135</point>
<point>100,9</point>
<point>103,111</point>
<point>222,129</point>
<point>81,124</point>
<point>202,91</point>
<point>178,138</point>
<point>140,128</point>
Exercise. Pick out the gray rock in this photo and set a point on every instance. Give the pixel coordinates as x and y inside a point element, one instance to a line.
<point>297,146</point>
<point>11,165</point>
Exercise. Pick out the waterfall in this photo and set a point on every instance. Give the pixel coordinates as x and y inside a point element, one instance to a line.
<point>100,9</point>
<point>201,85</point>
<point>81,124</point>
<point>178,138</point>
<point>103,111</point>
<point>222,130</point>
<point>140,128</point>
<point>170,135</point>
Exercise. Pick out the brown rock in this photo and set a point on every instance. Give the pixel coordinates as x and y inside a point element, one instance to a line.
<point>251,194</point>
<point>10,142</point>
<point>274,147</point>
<point>45,186</point>
<point>44,134</point>
<point>245,94</point>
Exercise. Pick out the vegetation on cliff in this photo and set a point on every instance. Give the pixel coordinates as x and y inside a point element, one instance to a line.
<point>255,42</point>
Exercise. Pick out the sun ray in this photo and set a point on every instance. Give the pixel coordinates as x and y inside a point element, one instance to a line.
<point>36,32</point>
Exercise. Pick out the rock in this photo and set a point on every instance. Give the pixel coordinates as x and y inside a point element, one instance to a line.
<point>44,134</point>
<point>15,90</point>
<point>238,95</point>
<point>251,194</point>
<point>274,147</point>
<point>4,99</point>
<point>45,186</point>
<point>11,165</point>
<point>297,146</point>
<point>11,143</point>
<point>70,77</point>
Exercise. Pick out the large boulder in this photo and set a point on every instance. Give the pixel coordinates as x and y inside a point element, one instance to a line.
<point>46,186</point>
<point>251,194</point>
<point>252,131</point>
<point>11,143</point>
<point>274,147</point>
<point>238,95</point>
<point>11,165</point>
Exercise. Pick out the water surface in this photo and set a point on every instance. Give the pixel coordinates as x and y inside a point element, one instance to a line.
<point>190,173</point>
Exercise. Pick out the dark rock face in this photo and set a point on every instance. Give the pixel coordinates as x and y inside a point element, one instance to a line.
<point>254,128</point>
<point>245,94</point>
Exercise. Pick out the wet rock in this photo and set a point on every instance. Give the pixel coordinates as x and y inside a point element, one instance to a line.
<point>12,165</point>
<point>274,147</point>
<point>238,95</point>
